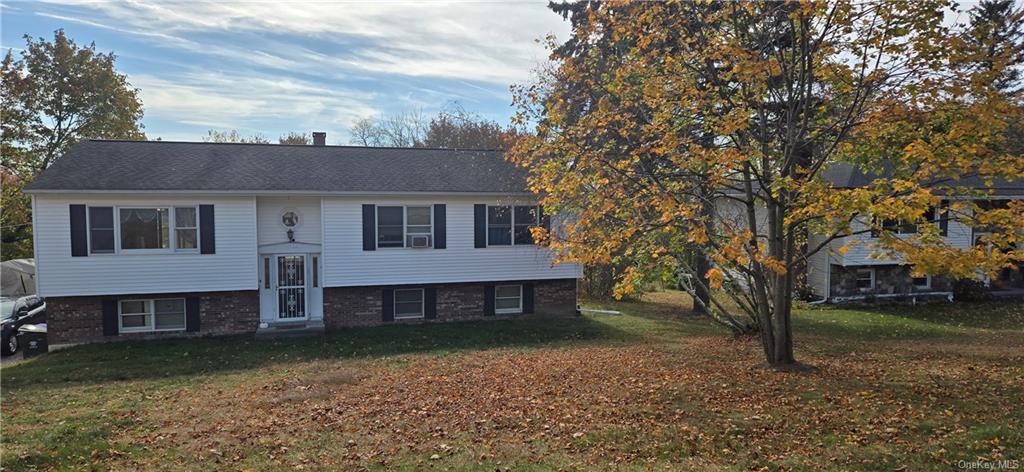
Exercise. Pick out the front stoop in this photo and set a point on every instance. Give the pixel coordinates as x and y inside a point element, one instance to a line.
<point>291,329</point>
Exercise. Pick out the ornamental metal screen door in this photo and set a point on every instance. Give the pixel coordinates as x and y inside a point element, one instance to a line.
<point>291,287</point>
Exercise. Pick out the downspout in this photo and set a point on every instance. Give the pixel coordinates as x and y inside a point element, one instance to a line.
<point>828,287</point>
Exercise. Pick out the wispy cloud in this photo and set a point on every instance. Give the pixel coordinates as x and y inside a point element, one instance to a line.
<point>278,66</point>
<point>492,42</point>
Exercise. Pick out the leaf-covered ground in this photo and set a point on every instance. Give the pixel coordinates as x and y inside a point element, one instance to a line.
<point>902,388</point>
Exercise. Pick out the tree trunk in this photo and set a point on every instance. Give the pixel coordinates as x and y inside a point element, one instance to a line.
<point>701,296</point>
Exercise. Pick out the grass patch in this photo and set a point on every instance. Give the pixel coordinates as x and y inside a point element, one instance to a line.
<point>655,387</point>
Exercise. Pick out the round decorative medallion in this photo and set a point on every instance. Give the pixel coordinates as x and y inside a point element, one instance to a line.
<point>290,219</point>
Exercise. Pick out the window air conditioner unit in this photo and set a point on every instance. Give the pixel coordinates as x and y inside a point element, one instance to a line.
<point>418,240</point>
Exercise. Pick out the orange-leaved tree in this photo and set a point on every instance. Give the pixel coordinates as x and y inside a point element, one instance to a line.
<point>671,129</point>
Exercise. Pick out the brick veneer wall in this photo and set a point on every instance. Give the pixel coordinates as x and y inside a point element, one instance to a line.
<point>80,319</point>
<point>361,306</point>
<point>888,279</point>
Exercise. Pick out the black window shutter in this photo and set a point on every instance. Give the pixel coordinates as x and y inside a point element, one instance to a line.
<point>488,300</point>
<point>79,232</point>
<point>207,230</point>
<point>479,225</point>
<point>944,217</point>
<point>110,317</point>
<point>387,305</point>
<point>528,298</point>
<point>440,227</point>
<point>192,314</point>
<point>369,227</point>
<point>430,303</point>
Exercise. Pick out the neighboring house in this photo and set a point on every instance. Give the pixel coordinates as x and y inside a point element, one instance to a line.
<point>151,239</point>
<point>860,275</point>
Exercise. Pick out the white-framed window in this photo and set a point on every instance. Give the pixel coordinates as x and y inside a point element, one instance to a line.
<point>931,216</point>
<point>408,303</point>
<point>508,299</point>
<point>186,228</point>
<point>510,224</point>
<point>395,224</point>
<point>141,229</point>
<point>145,228</point>
<point>101,230</point>
<point>524,218</point>
<point>865,279</point>
<point>159,314</point>
<point>922,282</point>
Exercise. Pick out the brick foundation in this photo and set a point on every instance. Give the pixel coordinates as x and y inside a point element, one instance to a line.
<point>889,279</point>
<point>361,306</point>
<point>80,319</point>
<point>73,320</point>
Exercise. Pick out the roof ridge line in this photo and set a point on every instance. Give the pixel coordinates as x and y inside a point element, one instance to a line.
<point>295,145</point>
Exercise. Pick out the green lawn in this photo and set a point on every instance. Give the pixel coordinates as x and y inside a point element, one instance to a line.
<point>915,387</point>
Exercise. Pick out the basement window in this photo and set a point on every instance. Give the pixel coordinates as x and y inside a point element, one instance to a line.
<point>508,299</point>
<point>865,279</point>
<point>167,314</point>
<point>408,303</point>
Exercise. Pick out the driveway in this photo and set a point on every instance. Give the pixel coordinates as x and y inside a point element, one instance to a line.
<point>10,360</point>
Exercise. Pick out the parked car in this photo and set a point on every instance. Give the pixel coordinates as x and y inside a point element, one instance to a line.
<point>15,312</point>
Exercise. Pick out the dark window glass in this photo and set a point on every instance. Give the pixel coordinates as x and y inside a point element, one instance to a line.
<point>390,222</point>
<point>409,303</point>
<point>316,273</point>
<point>101,217</point>
<point>525,218</point>
<point>145,228</point>
<point>499,226</point>
<point>101,229</point>
<point>865,279</point>
<point>185,228</point>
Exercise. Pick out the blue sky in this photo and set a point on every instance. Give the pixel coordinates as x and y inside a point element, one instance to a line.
<point>274,67</point>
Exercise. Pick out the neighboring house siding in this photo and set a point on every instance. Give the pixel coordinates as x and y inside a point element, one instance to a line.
<point>862,246</point>
<point>346,264</point>
<point>818,265</point>
<point>270,210</point>
<point>232,267</point>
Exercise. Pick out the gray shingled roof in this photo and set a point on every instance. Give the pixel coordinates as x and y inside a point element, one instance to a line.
<point>162,165</point>
<point>846,175</point>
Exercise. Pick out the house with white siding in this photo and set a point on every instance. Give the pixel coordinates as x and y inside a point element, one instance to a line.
<point>861,273</point>
<point>144,239</point>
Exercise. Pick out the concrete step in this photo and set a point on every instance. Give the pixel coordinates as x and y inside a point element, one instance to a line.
<point>291,329</point>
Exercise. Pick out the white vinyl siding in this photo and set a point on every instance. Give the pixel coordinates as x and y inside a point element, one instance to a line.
<point>859,253</point>
<point>233,267</point>
<point>819,265</point>
<point>272,231</point>
<point>346,264</point>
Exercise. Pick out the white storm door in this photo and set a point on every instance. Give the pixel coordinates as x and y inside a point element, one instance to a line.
<point>290,283</point>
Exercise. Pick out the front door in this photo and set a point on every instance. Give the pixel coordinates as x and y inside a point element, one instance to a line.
<point>290,283</point>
